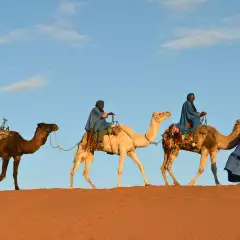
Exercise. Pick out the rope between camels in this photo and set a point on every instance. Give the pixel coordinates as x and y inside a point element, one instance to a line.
<point>155,143</point>
<point>58,146</point>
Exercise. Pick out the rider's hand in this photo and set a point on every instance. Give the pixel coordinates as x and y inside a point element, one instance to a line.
<point>203,114</point>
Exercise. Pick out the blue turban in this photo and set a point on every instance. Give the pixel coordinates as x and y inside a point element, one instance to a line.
<point>99,102</point>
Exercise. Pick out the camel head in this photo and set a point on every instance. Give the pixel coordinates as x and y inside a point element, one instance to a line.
<point>46,128</point>
<point>237,126</point>
<point>160,116</point>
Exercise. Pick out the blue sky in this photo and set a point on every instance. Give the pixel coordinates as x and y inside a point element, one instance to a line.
<point>58,57</point>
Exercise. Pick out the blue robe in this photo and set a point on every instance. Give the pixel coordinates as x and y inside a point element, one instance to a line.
<point>189,113</point>
<point>233,165</point>
<point>96,121</point>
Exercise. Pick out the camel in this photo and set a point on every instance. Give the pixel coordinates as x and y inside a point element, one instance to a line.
<point>123,144</point>
<point>210,142</point>
<point>13,145</point>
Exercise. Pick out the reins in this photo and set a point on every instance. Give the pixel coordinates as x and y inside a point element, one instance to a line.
<point>155,143</point>
<point>59,147</point>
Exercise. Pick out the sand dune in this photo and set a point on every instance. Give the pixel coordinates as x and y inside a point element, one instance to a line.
<point>126,213</point>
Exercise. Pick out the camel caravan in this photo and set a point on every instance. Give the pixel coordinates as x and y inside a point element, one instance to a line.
<point>190,134</point>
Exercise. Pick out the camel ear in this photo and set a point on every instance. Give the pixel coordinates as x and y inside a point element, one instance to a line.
<point>39,124</point>
<point>238,121</point>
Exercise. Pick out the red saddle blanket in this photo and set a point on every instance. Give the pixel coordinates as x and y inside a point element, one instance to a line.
<point>173,139</point>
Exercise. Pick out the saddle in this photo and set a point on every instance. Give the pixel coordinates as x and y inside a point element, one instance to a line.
<point>3,134</point>
<point>92,142</point>
<point>173,138</point>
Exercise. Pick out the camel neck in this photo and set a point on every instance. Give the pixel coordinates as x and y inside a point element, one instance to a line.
<point>227,142</point>
<point>31,146</point>
<point>140,140</point>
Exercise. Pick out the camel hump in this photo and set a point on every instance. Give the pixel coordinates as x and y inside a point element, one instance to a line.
<point>116,130</point>
<point>3,134</point>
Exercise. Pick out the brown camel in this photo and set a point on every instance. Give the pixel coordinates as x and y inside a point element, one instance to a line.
<point>210,142</point>
<point>123,144</point>
<point>13,145</point>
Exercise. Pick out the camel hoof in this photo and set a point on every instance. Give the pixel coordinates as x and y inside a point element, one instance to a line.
<point>17,188</point>
<point>2,177</point>
<point>70,187</point>
<point>94,187</point>
<point>176,184</point>
<point>148,184</point>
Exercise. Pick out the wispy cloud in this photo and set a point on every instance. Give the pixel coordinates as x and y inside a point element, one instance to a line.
<point>33,82</point>
<point>68,8</point>
<point>60,28</point>
<point>15,35</point>
<point>179,5</point>
<point>61,33</point>
<point>191,38</point>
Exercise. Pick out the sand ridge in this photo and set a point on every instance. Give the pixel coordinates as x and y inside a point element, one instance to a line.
<point>198,212</point>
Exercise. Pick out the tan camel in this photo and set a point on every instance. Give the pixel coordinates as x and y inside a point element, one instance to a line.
<point>210,142</point>
<point>13,145</point>
<point>125,143</point>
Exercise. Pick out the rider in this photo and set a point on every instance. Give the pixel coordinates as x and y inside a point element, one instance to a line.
<point>232,165</point>
<point>190,117</point>
<point>97,120</point>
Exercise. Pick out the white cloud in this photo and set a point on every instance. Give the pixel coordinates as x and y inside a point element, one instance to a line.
<point>15,35</point>
<point>60,29</point>
<point>179,5</point>
<point>190,38</point>
<point>66,8</point>
<point>62,33</point>
<point>33,82</point>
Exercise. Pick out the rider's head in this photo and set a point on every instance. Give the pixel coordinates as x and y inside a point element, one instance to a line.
<point>100,104</point>
<point>191,97</point>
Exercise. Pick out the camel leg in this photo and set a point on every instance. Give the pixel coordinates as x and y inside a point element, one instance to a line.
<point>163,169</point>
<point>78,159</point>
<point>5,161</point>
<point>15,171</point>
<point>204,155</point>
<point>120,167</point>
<point>88,162</point>
<point>213,157</point>
<point>170,161</point>
<point>134,157</point>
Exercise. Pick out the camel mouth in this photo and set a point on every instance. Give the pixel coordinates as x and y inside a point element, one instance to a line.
<point>168,114</point>
<point>55,128</point>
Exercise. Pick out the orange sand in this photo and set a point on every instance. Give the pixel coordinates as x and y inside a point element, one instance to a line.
<point>189,213</point>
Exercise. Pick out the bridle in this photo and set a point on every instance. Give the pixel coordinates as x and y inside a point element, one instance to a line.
<point>145,135</point>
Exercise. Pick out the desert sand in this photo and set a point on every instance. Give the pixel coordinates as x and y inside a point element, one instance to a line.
<point>198,212</point>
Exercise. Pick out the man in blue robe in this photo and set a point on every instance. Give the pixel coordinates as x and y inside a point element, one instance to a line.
<point>233,164</point>
<point>97,120</point>
<point>190,117</point>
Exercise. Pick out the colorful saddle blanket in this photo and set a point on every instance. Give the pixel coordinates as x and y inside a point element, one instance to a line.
<point>174,139</point>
